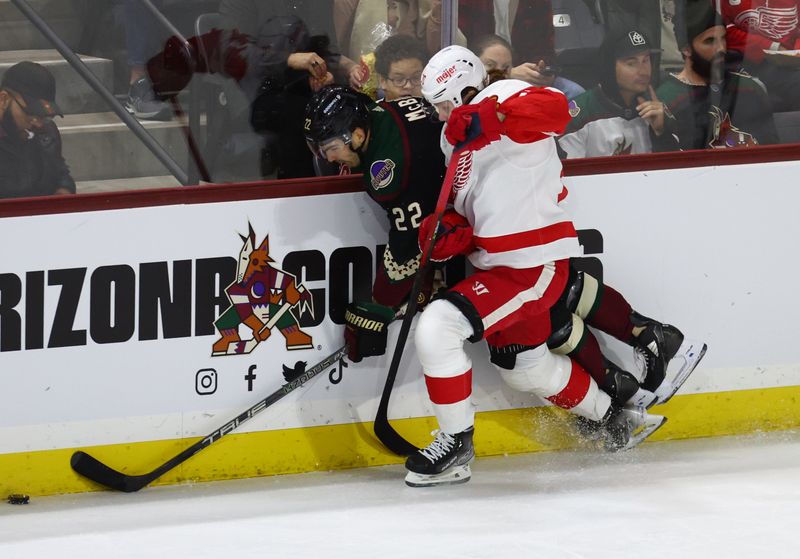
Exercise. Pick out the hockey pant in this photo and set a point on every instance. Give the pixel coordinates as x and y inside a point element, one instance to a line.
<point>587,301</point>
<point>519,330</point>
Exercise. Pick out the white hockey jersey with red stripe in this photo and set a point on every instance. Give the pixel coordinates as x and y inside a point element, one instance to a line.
<point>755,25</point>
<point>510,191</point>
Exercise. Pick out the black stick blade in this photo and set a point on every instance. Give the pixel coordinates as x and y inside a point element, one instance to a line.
<point>91,468</point>
<point>391,439</point>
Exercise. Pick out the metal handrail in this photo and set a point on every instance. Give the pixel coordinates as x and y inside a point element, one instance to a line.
<point>130,121</point>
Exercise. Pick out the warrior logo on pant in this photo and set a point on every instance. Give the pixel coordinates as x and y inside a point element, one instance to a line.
<point>261,298</point>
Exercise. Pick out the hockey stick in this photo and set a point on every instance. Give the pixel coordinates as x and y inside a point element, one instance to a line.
<point>91,468</point>
<point>390,438</point>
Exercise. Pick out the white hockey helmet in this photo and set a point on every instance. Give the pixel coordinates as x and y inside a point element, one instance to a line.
<point>452,70</point>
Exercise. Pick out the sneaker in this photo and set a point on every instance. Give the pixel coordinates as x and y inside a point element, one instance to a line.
<point>655,346</point>
<point>142,102</point>
<point>443,462</point>
<point>628,427</point>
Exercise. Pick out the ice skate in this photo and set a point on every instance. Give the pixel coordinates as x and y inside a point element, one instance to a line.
<point>628,427</point>
<point>654,347</point>
<point>587,429</point>
<point>679,368</point>
<point>643,398</point>
<point>443,462</point>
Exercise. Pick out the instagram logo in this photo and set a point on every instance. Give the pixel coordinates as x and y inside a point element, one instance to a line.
<point>205,382</point>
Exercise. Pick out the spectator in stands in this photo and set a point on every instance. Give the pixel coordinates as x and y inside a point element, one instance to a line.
<point>713,106</point>
<point>671,58</point>
<point>496,54</point>
<point>362,25</point>
<point>297,56</point>
<point>399,62</point>
<point>526,27</point>
<point>276,54</point>
<point>31,163</point>
<point>754,26</point>
<point>622,114</point>
<point>643,15</point>
<point>143,40</point>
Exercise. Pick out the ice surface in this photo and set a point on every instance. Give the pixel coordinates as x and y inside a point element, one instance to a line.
<point>736,497</point>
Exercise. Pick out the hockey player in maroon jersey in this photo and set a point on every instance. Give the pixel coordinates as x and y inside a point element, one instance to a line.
<point>395,145</point>
<point>520,244</point>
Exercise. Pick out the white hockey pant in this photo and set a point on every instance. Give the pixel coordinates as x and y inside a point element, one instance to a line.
<point>441,332</point>
<point>554,378</point>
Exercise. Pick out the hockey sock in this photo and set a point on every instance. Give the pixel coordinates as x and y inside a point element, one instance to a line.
<point>612,315</point>
<point>589,356</point>
<point>581,395</point>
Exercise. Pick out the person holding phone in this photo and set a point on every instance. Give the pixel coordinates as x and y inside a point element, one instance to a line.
<point>622,114</point>
<point>497,56</point>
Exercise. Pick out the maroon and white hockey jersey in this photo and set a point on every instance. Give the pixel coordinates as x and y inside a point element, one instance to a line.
<point>756,25</point>
<point>510,191</point>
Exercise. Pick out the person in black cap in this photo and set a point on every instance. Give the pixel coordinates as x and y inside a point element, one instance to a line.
<point>622,114</point>
<point>715,106</point>
<point>31,163</point>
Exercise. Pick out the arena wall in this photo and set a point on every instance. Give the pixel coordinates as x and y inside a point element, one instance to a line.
<point>106,325</point>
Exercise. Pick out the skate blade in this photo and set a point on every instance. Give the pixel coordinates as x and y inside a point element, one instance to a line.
<point>642,399</point>
<point>652,423</point>
<point>453,476</point>
<point>688,357</point>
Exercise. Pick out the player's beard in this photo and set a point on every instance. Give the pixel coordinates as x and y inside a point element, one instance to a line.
<point>711,70</point>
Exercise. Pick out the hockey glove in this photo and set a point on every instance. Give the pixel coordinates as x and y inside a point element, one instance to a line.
<point>474,126</point>
<point>453,237</point>
<point>366,325</point>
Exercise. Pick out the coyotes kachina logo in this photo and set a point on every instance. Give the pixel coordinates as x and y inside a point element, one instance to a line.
<point>262,298</point>
<point>725,134</point>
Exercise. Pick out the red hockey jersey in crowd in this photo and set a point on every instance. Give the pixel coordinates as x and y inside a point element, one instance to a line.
<point>755,25</point>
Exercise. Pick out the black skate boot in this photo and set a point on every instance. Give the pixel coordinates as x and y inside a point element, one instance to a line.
<point>656,345</point>
<point>624,388</point>
<point>618,383</point>
<point>443,462</point>
<point>625,428</point>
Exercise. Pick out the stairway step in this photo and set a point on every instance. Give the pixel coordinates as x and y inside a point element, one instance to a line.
<point>122,185</point>
<point>98,146</point>
<point>64,16</point>
<point>73,94</point>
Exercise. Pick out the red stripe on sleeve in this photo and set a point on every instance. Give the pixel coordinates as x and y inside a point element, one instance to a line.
<point>449,390</point>
<point>576,389</point>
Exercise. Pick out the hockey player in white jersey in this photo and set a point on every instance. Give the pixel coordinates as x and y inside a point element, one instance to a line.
<point>507,219</point>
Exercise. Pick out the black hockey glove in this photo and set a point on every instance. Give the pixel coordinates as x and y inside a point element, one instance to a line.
<point>366,325</point>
